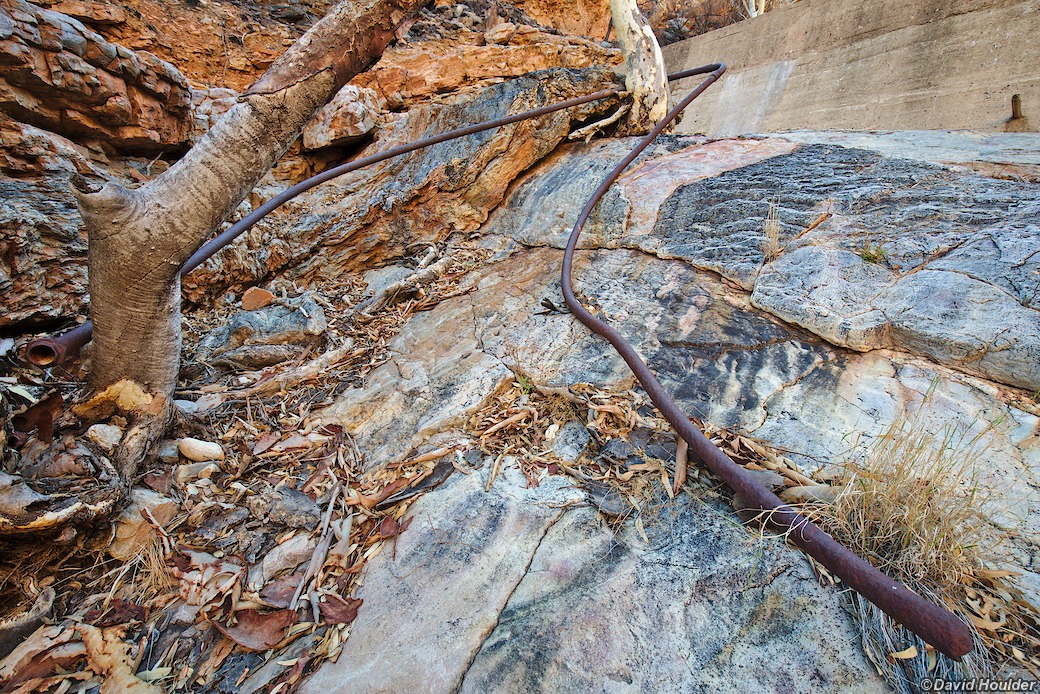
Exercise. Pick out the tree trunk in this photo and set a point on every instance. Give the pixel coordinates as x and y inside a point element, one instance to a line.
<point>645,74</point>
<point>138,239</point>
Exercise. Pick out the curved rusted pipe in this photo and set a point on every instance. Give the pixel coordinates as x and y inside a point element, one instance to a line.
<point>937,626</point>
<point>53,350</point>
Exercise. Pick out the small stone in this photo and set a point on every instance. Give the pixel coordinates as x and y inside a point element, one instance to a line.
<point>620,451</point>
<point>195,449</point>
<point>607,499</point>
<point>255,298</point>
<point>186,406</point>
<point>133,533</point>
<point>501,33</point>
<point>193,472</point>
<point>286,506</point>
<point>168,451</point>
<point>571,441</point>
<point>105,436</point>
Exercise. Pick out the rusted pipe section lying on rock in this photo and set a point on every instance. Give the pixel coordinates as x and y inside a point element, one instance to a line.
<point>938,627</point>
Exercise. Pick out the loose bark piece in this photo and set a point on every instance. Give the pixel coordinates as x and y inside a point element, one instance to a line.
<point>14,630</point>
<point>110,656</point>
<point>681,449</point>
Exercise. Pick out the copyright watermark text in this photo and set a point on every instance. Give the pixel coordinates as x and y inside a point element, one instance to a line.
<point>938,684</point>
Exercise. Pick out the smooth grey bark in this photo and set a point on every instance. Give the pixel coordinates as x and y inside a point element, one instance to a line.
<point>645,75</point>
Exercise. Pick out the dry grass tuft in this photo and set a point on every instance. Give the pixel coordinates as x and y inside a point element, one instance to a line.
<point>914,508</point>
<point>771,244</point>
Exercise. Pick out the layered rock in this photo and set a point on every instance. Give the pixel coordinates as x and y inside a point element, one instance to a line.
<point>870,252</point>
<point>42,252</point>
<point>442,56</point>
<point>215,43</point>
<point>94,12</point>
<point>57,74</point>
<point>207,106</point>
<point>373,214</point>
<point>352,114</point>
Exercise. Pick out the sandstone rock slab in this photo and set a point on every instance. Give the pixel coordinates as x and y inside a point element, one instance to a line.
<point>352,114</point>
<point>430,603</point>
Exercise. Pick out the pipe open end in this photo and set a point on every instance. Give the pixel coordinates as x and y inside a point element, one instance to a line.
<point>44,352</point>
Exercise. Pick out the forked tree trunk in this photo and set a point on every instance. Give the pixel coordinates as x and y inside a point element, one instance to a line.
<point>138,239</point>
<point>645,74</point>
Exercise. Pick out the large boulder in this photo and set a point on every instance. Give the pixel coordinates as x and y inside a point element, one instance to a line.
<point>526,589</point>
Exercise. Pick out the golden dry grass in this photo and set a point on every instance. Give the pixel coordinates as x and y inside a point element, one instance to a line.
<point>771,245</point>
<point>913,506</point>
<point>915,509</point>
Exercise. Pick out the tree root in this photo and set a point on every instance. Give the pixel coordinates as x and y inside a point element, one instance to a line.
<point>24,510</point>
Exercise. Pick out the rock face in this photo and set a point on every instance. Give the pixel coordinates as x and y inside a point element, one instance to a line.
<point>446,57</point>
<point>553,599</point>
<point>57,74</point>
<point>87,81</point>
<point>419,197</point>
<point>828,65</point>
<point>678,259</point>
<point>870,252</point>
<point>40,244</point>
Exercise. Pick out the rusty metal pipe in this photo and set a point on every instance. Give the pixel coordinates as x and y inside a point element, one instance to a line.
<point>937,626</point>
<point>54,350</point>
<point>57,349</point>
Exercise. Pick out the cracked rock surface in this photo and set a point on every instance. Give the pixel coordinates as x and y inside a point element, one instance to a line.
<point>553,600</point>
<point>816,350</point>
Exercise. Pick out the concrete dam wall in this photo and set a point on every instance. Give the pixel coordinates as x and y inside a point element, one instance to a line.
<point>886,65</point>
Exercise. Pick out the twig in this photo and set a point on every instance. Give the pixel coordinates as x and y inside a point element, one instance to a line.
<point>681,448</point>
<point>321,551</point>
<point>293,377</point>
<point>518,417</point>
<point>590,130</point>
<point>494,468</point>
